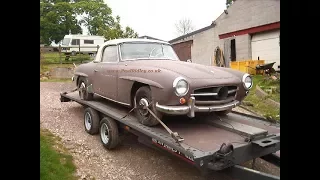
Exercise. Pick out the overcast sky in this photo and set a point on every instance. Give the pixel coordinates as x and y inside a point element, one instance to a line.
<point>157,18</point>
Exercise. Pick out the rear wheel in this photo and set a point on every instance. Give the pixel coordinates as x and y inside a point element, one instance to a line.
<point>83,93</point>
<point>143,96</point>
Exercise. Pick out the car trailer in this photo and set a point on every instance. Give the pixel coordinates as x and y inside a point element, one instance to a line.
<point>210,143</point>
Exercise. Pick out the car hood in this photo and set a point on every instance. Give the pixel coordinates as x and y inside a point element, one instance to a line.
<point>189,70</point>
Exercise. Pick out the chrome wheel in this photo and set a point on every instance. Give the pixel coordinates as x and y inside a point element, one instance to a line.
<point>143,103</point>
<point>104,133</point>
<point>87,121</point>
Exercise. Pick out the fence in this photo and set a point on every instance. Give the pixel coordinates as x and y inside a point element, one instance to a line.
<point>67,54</point>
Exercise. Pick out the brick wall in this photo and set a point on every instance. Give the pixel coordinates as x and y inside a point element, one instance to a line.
<point>183,50</point>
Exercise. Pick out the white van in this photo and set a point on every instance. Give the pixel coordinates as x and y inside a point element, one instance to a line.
<point>84,44</point>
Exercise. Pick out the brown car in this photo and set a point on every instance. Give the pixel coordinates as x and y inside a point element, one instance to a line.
<point>147,73</point>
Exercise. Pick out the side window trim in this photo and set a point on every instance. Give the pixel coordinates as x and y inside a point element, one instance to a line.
<point>102,54</point>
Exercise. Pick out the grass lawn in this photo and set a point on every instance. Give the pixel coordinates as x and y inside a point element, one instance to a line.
<point>53,164</point>
<point>56,80</point>
<point>259,105</point>
<point>48,67</point>
<point>51,60</point>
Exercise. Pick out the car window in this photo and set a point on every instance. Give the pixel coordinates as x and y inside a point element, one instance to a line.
<point>146,50</point>
<point>110,54</point>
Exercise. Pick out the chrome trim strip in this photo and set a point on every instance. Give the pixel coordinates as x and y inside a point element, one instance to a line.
<point>126,104</point>
<point>205,94</point>
<point>229,99</point>
<point>192,108</point>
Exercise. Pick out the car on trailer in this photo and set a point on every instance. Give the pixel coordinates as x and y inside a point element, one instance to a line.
<point>211,144</point>
<point>148,73</point>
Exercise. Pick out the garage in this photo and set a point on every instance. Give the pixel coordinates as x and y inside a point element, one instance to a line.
<point>183,50</point>
<point>266,46</point>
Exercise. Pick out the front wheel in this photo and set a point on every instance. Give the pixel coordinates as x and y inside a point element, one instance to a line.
<point>91,121</point>
<point>83,93</point>
<point>143,96</point>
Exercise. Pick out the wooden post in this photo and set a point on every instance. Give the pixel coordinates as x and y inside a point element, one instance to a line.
<point>60,53</point>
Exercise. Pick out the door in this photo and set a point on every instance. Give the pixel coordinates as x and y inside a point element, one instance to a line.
<point>106,73</point>
<point>266,46</point>
<point>227,52</point>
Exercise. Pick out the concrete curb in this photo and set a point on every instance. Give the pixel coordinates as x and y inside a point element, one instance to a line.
<point>260,93</point>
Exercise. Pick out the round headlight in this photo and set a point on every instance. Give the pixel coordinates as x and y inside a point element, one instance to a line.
<point>247,81</point>
<point>181,86</point>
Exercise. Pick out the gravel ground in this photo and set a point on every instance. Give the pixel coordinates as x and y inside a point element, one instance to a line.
<point>130,161</point>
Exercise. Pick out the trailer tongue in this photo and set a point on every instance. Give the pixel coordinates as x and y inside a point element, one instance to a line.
<point>209,143</point>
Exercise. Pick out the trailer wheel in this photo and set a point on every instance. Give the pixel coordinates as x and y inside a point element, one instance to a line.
<point>144,117</point>
<point>109,133</point>
<point>82,85</point>
<point>91,121</point>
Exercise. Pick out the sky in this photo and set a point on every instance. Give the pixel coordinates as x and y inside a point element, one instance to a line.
<point>157,18</point>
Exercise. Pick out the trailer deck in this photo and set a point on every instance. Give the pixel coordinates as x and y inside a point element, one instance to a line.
<point>204,137</point>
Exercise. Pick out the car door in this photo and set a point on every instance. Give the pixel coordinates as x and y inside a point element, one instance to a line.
<point>106,73</point>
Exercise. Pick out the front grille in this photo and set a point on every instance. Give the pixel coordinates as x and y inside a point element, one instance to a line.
<point>215,95</point>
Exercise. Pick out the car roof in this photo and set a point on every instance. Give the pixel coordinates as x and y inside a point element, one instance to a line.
<point>123,40</point>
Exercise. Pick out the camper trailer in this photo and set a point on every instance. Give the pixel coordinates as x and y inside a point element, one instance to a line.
<point>81,44</point>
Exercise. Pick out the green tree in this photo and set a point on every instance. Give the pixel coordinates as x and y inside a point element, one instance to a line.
<point>95,14</point>
<point>229,2</point>
<point>116,31</point>
<point>61,17</point>
<point>57,18</point>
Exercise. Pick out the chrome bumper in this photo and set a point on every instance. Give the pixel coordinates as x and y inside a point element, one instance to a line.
<point>191,108</point>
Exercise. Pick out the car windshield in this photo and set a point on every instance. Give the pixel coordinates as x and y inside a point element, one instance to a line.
<point>66,41</point>
<point>146,50</point>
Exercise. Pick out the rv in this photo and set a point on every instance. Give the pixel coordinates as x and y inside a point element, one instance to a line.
<point>81,44</point>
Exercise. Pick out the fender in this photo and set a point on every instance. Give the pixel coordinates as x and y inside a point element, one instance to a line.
<point>142,80</point>
<point>80,74</point>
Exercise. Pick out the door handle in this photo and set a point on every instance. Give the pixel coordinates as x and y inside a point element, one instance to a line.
<point>95,70</point>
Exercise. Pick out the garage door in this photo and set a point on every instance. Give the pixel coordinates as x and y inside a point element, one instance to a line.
<point>266,46</point>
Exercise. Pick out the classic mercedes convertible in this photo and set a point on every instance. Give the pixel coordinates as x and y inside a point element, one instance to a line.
<point>148,73</point>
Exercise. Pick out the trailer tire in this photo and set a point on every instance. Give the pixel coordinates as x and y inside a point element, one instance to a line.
<point>112,139</point>
<point>143,116</point>
<point>91,121</point>
<point>83,93</point>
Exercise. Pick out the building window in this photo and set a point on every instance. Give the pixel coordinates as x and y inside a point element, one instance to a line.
<point>75,42</point>
<point>88,42</point>
<point>233,50</point>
